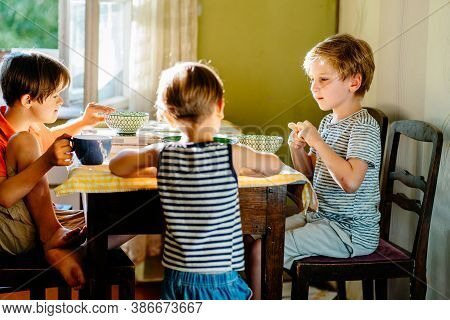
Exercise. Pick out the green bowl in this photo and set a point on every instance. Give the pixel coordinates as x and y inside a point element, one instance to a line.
<point>216,139</point>
<point>126,122</point>
<point>261,143</point>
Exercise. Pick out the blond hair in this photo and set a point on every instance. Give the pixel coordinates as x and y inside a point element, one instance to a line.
<point>348,55</point>
<point>189,91</point>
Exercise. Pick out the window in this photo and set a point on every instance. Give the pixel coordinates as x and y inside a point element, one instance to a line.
<point>94,37</point>
<point>22,26</point>
<point>90,37</point>
<point>115,23</point>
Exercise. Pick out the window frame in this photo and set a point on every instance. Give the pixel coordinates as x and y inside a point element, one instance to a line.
<point>91,54</point>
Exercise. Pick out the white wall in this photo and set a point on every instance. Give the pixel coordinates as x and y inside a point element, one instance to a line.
<point>411,43</point>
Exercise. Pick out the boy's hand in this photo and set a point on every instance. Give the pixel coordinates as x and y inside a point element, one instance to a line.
<point>60,152</point>
<point>310,134</point>
<point>95,113</point>
<point>294,139</point>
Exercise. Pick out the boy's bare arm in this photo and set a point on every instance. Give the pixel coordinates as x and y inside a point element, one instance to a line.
<point>247,161</point>
<point>303,161</point>
<point>136,163</point>
<point>93,114</point>
<point>14,188</point>
<point>348,174</point>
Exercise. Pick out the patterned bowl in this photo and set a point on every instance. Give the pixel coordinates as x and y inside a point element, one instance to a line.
<point>261,142</point>
<point>126,122</point>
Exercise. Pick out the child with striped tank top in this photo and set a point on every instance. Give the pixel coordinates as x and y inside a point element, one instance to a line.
<point>198,187</point>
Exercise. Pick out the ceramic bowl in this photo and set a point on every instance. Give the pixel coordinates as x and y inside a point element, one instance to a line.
<point>126,122</point>
<point>261,142</point>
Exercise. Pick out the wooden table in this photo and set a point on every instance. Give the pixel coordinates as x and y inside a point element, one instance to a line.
<point>137,211</point>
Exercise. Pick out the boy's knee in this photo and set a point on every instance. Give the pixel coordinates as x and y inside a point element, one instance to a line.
<point>22,149</point>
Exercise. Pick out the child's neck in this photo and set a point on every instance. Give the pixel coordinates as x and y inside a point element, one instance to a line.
<point>18,118</point>
<point>195,136</point>
<point>346,109</point>
<point>198,133</point>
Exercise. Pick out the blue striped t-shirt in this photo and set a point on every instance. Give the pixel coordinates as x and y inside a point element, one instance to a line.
<point>198,189</point>
<point>357,136</point>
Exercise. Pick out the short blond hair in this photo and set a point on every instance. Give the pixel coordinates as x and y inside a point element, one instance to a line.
<point>348,55</point>
<point>189,91</point>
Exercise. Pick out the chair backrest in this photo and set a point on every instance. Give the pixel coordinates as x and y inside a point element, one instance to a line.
<point>383,122</point>
<point>424,132</point>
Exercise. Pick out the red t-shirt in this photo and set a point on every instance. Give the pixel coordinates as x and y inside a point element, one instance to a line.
<point>5,133</point>
<point>40,131</point>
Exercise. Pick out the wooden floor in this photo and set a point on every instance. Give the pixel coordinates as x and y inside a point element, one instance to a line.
<point>152,290</point>
<point>144,291</point>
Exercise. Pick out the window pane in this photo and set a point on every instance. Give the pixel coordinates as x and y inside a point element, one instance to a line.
<point>114,26</point>
<point>22,25</point>
<point>76,51</point>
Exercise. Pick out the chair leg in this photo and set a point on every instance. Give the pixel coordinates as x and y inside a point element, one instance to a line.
<point>84,294</point>
<point>418,289</point>
<point>37,293</point>
<point>342,292</point>
<point>381,289</point>
<point>300,288</point>
<point>64,293</point>
<point>109,291</point>
<point>127,286</point>
<point>367,286</point>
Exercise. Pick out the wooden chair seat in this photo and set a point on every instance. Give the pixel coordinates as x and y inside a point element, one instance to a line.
<point>387,259</point>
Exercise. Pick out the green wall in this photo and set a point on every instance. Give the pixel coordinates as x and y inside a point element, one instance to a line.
<point>258,46</point>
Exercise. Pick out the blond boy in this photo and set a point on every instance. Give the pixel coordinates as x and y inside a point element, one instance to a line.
<point>344,156</point>
<point>343,159</point>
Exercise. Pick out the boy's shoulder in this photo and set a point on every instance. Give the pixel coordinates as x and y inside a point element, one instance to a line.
<point>363,117</point>
<point>362,124</point>
<point>360,118</point>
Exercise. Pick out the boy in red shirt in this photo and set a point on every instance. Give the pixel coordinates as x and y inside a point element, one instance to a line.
<point>31,85</point>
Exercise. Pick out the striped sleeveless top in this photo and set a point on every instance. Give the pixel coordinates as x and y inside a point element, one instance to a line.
<point>198,189</point>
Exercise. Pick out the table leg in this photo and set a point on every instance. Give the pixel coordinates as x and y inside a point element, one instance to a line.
<point>97,246</point>
<point>273,245</point>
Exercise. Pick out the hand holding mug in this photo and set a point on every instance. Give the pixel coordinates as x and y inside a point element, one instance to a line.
<point>60,152</point>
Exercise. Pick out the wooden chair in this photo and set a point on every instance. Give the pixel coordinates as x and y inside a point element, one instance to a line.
<point>383,122</point>
<point>389,260</point>
<point>31,272</point>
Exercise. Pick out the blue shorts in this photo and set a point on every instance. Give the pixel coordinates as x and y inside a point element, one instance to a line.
<point>179,285</point>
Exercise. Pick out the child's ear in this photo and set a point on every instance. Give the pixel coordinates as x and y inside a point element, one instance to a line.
<point>25,100</point>
<point>355,82</point>
<point>220,108</point>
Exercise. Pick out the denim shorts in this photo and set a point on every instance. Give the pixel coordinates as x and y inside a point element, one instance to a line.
<point>178,285</point>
